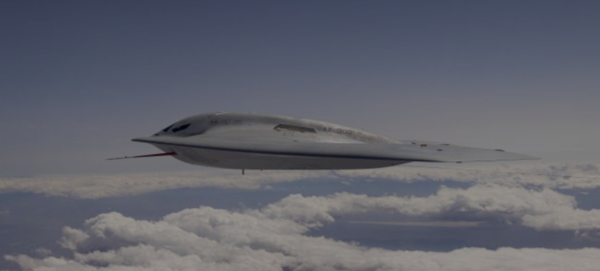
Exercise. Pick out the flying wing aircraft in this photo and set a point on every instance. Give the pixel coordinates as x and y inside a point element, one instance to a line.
<point>260,141</point>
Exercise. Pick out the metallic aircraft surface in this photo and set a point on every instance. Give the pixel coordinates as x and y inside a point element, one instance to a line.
<point>259,141</point>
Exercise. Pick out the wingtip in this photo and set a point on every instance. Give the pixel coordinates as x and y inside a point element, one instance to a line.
<point>139,139</point>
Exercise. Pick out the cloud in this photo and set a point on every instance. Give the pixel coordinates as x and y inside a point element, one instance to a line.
<point>560,176</point>
<point>550,175</point>
<point>564,219</point>
<point>543,209</point>
<point>109,185</point>
<point>275,237</point>
<point>72,237</point>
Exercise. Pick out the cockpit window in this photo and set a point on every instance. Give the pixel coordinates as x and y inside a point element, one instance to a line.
<point>181,127</point>
<point>167,129</point>
<point>294,128</point>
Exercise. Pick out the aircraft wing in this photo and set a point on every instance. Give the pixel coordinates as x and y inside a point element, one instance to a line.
<point>401,151</point>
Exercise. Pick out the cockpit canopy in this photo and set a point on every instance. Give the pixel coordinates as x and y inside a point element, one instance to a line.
<point>189,126</point>
<point>175,128</point>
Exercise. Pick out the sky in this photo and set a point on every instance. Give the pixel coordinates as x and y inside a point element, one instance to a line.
<point>81,79</point>
<point>78,80</point>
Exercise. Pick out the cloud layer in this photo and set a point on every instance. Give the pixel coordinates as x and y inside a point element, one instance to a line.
<point>539,209</point>
<point>275,237</point>
<point>550,175</point>
<point>563,176</point>
<point>102,186</point>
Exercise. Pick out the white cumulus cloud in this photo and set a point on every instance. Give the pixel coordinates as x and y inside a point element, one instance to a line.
<point>543,209</point>
<point>275,236</point>
<point>540,174</point>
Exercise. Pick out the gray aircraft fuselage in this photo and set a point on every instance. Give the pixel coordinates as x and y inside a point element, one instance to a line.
<point>260,141</point>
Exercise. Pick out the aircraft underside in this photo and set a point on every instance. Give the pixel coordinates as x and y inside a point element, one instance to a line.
<point>262,161</point>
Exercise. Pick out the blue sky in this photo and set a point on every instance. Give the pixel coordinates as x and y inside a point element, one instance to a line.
<point>79,79</point>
